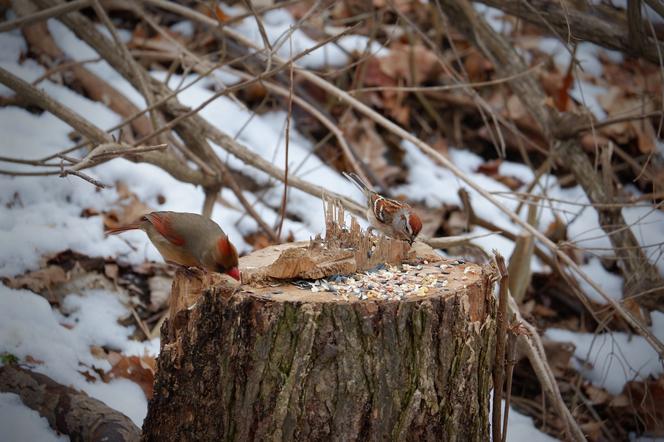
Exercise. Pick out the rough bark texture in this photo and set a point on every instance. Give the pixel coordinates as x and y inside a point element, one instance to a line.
<point>68,411</point>
<point>266,364</point>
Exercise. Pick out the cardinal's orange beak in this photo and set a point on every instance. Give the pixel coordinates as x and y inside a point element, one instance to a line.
<point>234,273</point>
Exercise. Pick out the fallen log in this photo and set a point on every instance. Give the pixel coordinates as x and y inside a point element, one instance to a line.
<point>67,410</point>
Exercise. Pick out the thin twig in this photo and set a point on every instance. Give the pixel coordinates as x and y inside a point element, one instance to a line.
<point>501,337</point>
<point>88,178</point>
<point>510,361</point>
<point>289,116</point>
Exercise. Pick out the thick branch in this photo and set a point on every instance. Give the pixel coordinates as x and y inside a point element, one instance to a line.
<point>43,15</point>
<point>68,411</point>
<point>166,161</point>
<point>583,25</point>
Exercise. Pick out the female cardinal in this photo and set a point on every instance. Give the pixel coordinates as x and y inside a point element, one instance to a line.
<point>394,218</point>
<point>188,239</point>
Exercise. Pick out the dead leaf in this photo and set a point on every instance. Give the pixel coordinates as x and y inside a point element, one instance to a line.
<point>543,311</point>
<point>645,136</point>
<point>369,146</point>
<point>511,182</point>
<point>139,369</point>
<point>258,240</point>
<point>112,271</point>
<point>647,399</point>
<point>598,396</point>
<point>29,359</point>
<point>129,208</point>
<point>412,63</point>
<point>477,66</point>
<point>592,430</point>
<point>515,108</point>
<point>98,352</point>
<point>88,376</point>
<point>558,354</point>
<point>41,281</point>
<point>220,14</point>
<point>490,167</point>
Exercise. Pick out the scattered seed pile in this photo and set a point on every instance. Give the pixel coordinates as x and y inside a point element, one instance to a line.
<point>389,282</point>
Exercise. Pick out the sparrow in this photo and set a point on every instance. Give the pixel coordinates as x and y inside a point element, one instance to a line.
<point>189,240</point>
<point>395,219</point>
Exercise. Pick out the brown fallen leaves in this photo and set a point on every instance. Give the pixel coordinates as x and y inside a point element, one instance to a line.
<point>405,65</point>
<point>138,369</point>
<point>128,208</point>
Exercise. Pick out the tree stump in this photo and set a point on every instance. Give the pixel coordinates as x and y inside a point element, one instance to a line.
<point>272,360</point>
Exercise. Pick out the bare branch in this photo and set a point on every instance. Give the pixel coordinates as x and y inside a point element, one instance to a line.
<point>583,25</point>
<point>55,11</point>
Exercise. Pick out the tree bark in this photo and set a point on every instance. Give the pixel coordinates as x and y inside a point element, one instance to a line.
<point>282,363</point>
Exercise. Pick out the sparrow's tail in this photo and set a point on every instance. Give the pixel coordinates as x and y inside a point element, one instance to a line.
<point>355,179</point>
<point>115,230</point>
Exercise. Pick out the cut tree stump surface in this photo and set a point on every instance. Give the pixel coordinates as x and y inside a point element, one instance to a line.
<point>277,359</point>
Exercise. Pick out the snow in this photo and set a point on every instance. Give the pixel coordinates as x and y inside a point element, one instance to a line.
<point>494,17</point>
<point>184,28</point>
<point>521,428</point>
<point>588,94</point>
<point>13,45</point>
<point>78,50</point>
<point>587,56</point>
<point>611,283</point>
<point>609,360</point>
<point>22,424</point>
<point>288,40</point>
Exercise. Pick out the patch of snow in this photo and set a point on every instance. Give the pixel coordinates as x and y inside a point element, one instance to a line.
<point>587,56</point>
<point>78,50</point>
<point>123,34</point>
<point>588,94</point>
<point>494,17</point>
<point>660,146</point>
<point>19,423</point>
<point>611,283</point>
<point>521,428</point>
<point>279,24</point>
<point>13,45</point>
<point>184,28</point>
<point>609,360</point>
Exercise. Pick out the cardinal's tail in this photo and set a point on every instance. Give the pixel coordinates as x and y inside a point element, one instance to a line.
<point>116,230</point>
